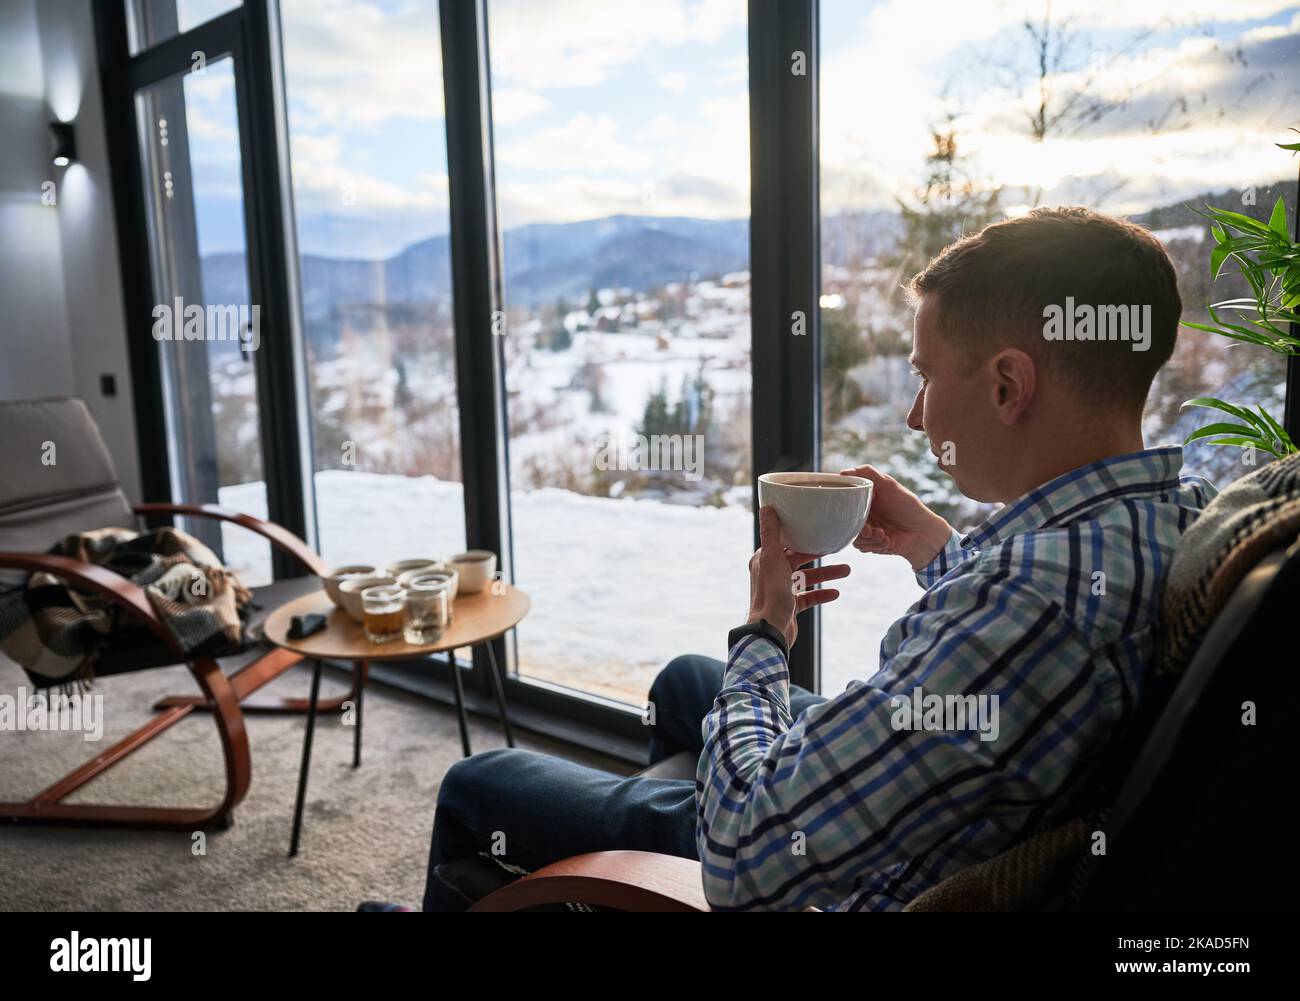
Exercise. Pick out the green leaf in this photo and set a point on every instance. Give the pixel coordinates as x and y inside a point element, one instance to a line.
<point>1291,146</point>
<point>1241,333</point>
<point>1277,221</point>
<point>1239,221</point>
<point>1278,429</point>
<point>1200,326</point>
<point>1274,428</point>
<point>1245,443</point>
<point>1224,428</point>
<point>1234,247</point>
<point>1211,403</point>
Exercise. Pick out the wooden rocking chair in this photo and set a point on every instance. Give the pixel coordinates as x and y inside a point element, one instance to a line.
<point>41,501</point>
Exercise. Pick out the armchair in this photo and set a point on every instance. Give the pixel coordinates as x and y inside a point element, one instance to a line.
<point>61,480</point>
<point>1187,765</point>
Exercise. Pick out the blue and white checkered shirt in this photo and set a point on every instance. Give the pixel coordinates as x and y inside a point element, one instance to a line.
<point>871,797</point>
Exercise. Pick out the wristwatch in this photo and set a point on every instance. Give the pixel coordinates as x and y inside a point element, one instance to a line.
<point>760,628</point>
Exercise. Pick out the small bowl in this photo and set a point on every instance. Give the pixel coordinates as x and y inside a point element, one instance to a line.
<point>820,513</point>
<point>476,567</point>
<point>339,574</point>
<point>434,567</point>
<point>350,593</point>
<point>402,566</point>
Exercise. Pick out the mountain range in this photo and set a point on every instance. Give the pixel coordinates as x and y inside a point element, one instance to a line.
<point>544,262</point>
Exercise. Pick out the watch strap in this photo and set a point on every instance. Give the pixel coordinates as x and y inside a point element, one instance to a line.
<point>760,628</point>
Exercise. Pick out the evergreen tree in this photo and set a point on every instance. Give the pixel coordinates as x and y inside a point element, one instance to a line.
<point>843,348</point>
<point>946,206</point>
<point>658,418</point>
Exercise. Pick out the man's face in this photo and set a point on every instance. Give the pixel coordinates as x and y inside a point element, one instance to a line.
<point>956,409</point>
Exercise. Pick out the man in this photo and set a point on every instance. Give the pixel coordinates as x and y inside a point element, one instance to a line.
<point>996,693</point>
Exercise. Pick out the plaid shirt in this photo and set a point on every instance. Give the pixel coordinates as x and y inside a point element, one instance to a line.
<point>1050,605</point>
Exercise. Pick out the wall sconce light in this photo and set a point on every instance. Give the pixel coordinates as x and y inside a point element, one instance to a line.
<point>65,143</point>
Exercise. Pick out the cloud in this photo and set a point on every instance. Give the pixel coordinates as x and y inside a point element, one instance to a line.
<point>583,143</point>
<point>1187,110</point>
<point>351,64</point>
<point>355,69</point>
<point>696,165</point>
<point>574,43</point>
<point>511,105</point>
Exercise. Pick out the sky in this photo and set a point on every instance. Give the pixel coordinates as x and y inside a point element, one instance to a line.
<point>1233,63</point>
<point>641,106</point>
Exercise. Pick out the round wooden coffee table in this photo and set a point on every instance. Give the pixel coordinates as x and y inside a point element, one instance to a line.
<point>476,618</point>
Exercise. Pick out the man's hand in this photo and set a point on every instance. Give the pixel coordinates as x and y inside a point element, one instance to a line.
<point>776,592</point>
<point>899,524</point>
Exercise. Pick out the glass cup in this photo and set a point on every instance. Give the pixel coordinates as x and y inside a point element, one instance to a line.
<point>427,608</point>
<point>381,613</point>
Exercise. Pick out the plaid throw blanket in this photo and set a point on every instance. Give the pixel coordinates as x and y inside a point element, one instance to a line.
<point>56,632</point>
<point>1251,518</point>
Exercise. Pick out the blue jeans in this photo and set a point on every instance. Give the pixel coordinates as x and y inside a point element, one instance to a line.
<point>528,809</point>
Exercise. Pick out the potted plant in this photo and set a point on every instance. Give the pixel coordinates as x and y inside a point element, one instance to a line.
<point>1269,260</point>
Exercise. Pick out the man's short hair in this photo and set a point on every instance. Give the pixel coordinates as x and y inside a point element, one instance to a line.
<point>995,289</point>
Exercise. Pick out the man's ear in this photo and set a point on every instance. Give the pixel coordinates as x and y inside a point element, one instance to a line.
<point>1015,379</point>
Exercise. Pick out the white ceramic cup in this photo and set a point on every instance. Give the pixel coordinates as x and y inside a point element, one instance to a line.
<point>402,566</point>
<point>339,574</point>
<point>477,567</point>
<point>820,513</point>
<point>350,593</point>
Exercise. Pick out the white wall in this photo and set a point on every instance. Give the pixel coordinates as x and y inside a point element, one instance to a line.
<point>96,318</point>
<point>36,359</point>
<point>61,316</point>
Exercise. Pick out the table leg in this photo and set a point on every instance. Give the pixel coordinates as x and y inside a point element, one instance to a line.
<point>306,758</point>
<point>362,672</point>
<point>460,702</point>
<point>499,687</point>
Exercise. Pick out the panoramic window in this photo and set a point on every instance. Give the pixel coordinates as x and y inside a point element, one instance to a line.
<point>1005,109</point>
<point>622,183</point>
<point>367,139</point>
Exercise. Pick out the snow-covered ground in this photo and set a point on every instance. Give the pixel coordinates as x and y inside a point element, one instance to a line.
<point>631,367</point>
<point>618,587</point>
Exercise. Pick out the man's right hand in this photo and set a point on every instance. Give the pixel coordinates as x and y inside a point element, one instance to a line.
<point>899,524</point>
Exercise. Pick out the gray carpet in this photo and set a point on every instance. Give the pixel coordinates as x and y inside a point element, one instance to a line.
<point>365,831</point>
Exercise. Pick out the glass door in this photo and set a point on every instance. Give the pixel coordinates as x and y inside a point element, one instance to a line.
<point>206,328</point>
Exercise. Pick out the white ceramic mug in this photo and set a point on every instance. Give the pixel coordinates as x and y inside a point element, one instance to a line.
<point>476,567</point>
<point>338,575</point>
<point>820,513</point>
<point>350,593</point>
<point>405,566</point>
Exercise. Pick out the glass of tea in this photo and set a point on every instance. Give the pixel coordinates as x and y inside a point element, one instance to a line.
<point>381,612</point>
<point>428,608</point>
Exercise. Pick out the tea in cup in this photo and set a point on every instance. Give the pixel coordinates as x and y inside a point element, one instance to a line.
<point>382,612</point>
